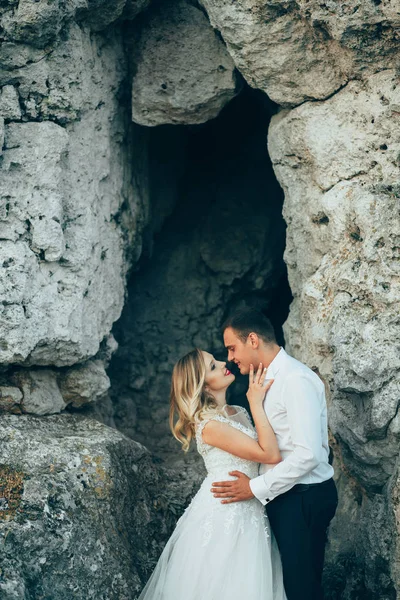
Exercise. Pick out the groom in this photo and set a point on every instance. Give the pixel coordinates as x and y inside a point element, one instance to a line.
<point>299,492</point>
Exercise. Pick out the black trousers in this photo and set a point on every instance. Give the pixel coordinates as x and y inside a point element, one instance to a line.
<point>299,520</point>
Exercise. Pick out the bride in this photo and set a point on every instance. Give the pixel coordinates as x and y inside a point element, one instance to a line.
<point>219,551</point>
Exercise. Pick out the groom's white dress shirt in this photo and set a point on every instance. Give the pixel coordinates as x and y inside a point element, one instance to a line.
<point>296,408</point>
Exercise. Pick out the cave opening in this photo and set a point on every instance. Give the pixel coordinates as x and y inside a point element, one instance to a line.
<point>214,241</point>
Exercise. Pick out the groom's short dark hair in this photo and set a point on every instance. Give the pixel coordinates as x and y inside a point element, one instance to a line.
<point>250,320</point>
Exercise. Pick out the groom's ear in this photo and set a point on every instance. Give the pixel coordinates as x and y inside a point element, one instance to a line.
<point>254,340</point>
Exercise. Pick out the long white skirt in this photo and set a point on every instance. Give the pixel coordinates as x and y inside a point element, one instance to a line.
<point>218,552</point>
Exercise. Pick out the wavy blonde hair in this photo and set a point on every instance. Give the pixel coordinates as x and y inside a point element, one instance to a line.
<point>190,402</point>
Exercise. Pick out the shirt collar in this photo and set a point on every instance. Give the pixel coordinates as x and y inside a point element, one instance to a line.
<point>276,364</point>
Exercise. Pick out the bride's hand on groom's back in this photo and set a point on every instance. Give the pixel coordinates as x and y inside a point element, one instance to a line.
<point>258,385</point>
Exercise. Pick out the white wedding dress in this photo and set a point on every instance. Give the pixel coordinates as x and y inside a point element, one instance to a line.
<point>219,551</point>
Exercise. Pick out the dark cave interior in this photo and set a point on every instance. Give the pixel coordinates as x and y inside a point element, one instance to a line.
<point>214,242</point>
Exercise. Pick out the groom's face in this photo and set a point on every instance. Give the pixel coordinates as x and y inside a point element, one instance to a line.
<point>241,353</point>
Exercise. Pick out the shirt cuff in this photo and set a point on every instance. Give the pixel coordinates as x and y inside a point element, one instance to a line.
<point>259,489</point>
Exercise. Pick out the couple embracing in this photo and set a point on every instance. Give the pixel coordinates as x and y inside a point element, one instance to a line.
<point>256,529</point>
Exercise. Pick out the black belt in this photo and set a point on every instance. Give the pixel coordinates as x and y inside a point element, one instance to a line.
<point>303,487</point>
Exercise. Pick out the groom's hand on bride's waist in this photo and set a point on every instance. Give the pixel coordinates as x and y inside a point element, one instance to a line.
<point>233,491</point>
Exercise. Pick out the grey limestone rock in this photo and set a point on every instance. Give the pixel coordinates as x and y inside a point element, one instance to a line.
<point>63,182</point>
<point>10,399</point>
<point>38,24</point>
<point>183,73</point>
<point>83,510</point>
<point>297,50</point>
<point>41,393</point>
<point>83,384</point>
<point>47,391</point>
<point>338,162</point>
<point>75,195</point>
<point>9,103</point>
<point>2,144</point>
<point>70,220</point>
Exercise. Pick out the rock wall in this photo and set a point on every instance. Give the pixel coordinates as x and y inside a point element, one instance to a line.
<point>183,73</point>
<point>83,513</point>
<point>298,50</point>
<point>87,197</point>
<point>70,219</point>
<point>338,162</point>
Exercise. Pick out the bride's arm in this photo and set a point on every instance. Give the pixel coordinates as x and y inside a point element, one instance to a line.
<point>226,437</point>
<point>256,395</point>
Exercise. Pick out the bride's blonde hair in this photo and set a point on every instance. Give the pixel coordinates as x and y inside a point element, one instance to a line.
<point>190,401</point>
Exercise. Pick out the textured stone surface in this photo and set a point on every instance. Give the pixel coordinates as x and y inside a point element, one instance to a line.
<point>338,162</point>
<point>79,183</point>
<point>297,50</point>
<point>83,510</point>
<point>10,399</point>
<point>9,103</point>
<point>35,23</point>
<point>182,71</point>
<point>41,394</point>
<point>38,24</point>
<point>63,186</point>
<point>47,391</point>
<point>70,220</point>
<point>84,384</point>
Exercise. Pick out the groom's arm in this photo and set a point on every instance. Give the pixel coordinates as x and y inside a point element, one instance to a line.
<point>303,398</point>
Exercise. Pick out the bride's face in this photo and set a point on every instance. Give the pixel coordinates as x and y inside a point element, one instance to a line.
<point>218,377</point>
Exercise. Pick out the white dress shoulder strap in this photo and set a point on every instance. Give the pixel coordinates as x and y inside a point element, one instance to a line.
<point>200,426</point>
<point>242,422</point>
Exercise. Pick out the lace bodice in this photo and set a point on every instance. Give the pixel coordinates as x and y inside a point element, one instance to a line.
<point>218,461</point>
